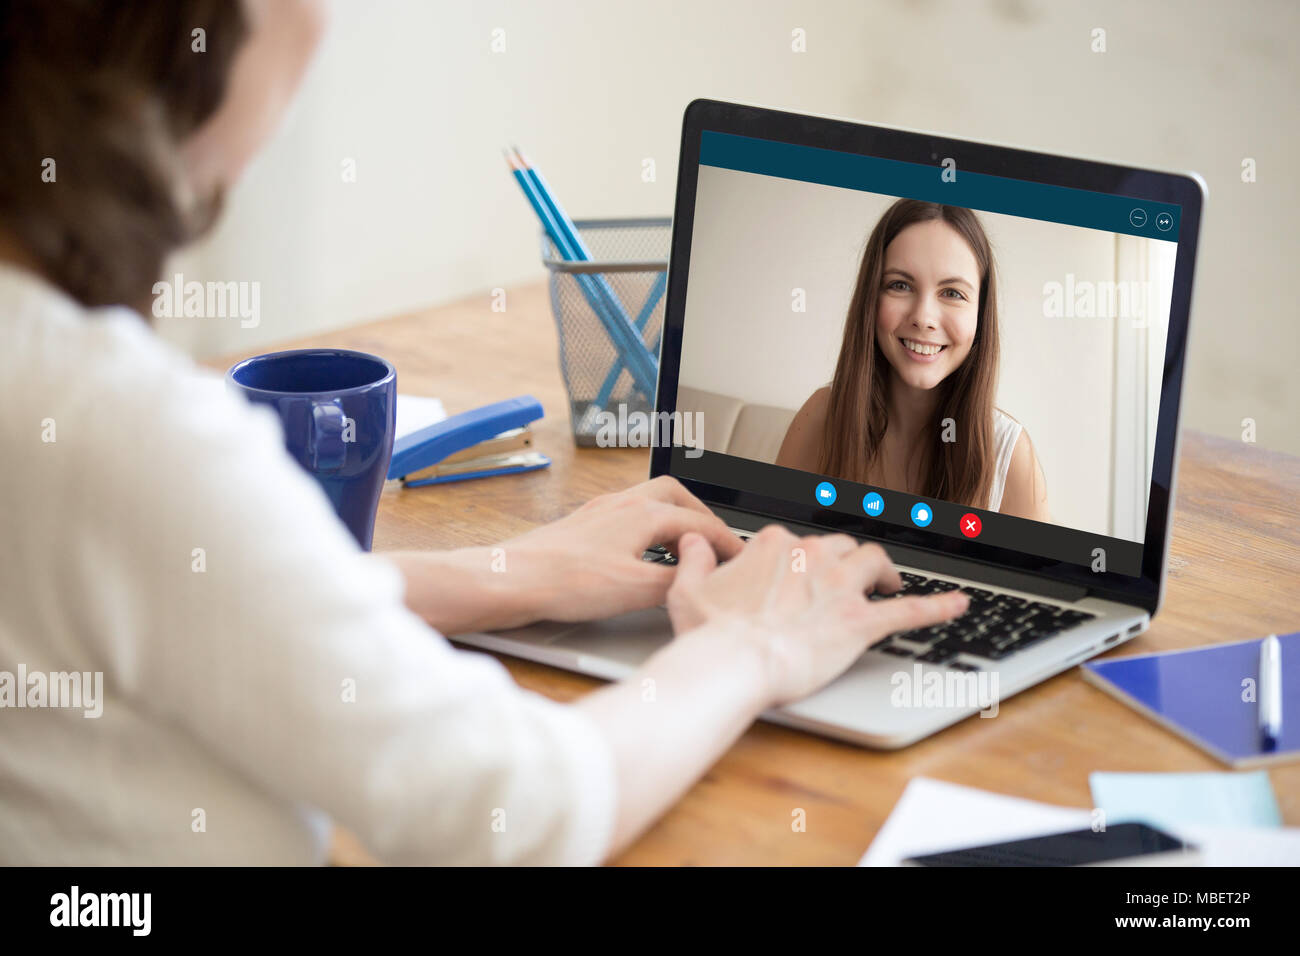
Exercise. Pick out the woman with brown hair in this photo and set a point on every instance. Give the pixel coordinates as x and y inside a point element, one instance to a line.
<point>289,679</point>
<point>911,405</point>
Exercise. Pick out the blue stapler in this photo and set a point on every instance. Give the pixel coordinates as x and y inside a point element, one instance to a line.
<point>492,440</point>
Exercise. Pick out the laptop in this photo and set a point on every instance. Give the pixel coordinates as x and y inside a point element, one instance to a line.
<point>808,251</point>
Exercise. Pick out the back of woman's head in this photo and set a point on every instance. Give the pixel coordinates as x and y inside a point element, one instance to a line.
<point>96,99</point>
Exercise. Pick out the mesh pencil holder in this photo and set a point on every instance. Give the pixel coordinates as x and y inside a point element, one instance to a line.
<point>626,275</point>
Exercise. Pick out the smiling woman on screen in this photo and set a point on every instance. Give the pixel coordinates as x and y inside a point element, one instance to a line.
<point>911,405</point>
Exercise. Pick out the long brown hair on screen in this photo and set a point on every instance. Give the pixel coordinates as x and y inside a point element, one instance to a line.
<point>96,99</point>
<point>858,412</point>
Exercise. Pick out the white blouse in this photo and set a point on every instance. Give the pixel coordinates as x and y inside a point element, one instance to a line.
<point>1006,432</point>
<point>260,674</point>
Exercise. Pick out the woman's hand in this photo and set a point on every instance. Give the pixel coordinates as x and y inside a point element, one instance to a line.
<point>802,601</point>
<point>588,564</point>
<point>786,616</point>
<point>585,566</point>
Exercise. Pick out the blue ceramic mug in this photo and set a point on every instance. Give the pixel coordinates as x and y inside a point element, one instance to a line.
<point>338,409</point>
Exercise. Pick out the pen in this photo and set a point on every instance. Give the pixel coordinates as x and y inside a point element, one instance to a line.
<point>1270,692</point>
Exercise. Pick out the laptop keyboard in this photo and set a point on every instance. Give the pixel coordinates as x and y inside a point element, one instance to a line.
<point>994,627</point>
<point>659,555</point>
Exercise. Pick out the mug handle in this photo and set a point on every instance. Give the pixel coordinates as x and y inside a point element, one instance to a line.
<point>328,449</point>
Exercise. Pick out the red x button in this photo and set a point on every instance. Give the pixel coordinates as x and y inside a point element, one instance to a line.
<point>970,525</point>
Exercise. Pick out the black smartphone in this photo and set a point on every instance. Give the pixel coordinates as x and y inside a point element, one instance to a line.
<point>1133,844</point>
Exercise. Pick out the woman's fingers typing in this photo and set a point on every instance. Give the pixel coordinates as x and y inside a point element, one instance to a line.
<point>803,600</point>
<point>695,560</point>
<point>874,569</point>
<point>908,613</point>
<point>668,523</point>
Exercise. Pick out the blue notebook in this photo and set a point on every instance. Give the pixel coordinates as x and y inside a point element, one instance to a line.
<point>1198,694</point>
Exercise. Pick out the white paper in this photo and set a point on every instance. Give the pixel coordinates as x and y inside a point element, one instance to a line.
<point>1244,846</point>
<point>415,412</point>
<point>933,816</point>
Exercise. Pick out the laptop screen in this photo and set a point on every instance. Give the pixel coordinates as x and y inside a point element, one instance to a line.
<point>920,346</point>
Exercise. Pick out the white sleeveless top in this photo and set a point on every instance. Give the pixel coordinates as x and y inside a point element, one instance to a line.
<point>1006,430</point>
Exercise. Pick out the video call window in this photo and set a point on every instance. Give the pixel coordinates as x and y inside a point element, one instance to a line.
<point>1007,364</point>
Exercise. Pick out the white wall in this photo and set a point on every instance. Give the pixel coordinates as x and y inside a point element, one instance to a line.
<point>756,240</point>
<point>411,91</point>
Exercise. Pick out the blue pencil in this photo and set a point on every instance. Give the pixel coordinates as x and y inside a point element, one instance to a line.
<point>643,319</point>
<point>630,346</point>
<point>581,252</point>
<point>640,359</point>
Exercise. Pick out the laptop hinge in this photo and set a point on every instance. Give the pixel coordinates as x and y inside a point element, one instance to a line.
<point>930,560</point>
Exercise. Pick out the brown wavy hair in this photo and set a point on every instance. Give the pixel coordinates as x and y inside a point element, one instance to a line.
<point>858,412</point>
<point>107,90</point>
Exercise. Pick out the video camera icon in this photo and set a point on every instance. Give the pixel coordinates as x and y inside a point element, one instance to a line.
<point>825,494</point>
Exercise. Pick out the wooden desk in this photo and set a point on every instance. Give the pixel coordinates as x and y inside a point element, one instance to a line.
<point>1234,574</point>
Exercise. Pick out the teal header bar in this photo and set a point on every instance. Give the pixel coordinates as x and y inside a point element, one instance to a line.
<point>890,177</point>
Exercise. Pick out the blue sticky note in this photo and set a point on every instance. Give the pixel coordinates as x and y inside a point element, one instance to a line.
<point>1172,800</point>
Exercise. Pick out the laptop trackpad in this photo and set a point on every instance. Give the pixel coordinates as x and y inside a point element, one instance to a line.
<point>629,638</point>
